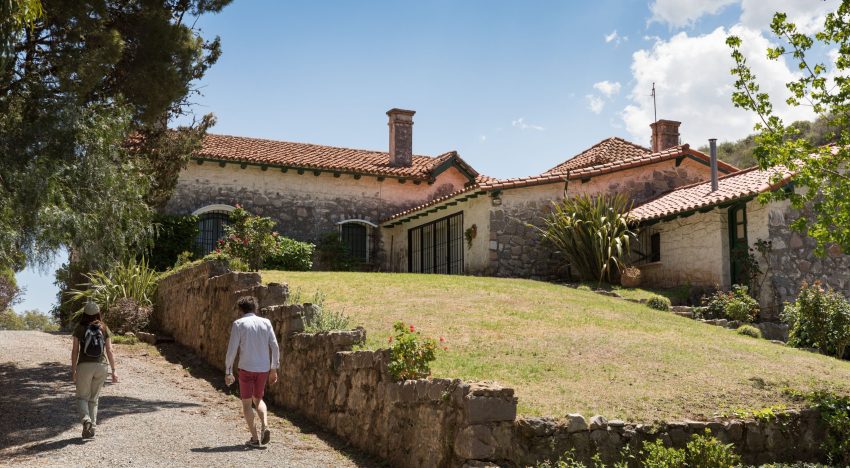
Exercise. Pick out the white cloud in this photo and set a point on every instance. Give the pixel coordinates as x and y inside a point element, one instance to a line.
<point>615,37</point>
<point>681,13</point>
<point>806,14</point>
<point>607,88</point>
<point>483,138</point>
<point>693,85</point>
<point>521,124</point>
<point>595,103</point>
<point>755,14</point>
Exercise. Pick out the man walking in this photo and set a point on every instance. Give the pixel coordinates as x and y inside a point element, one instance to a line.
<point>259,358</point>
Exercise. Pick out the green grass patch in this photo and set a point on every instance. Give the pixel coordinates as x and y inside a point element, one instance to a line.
<point>125,339</point>
<point>566,350</point>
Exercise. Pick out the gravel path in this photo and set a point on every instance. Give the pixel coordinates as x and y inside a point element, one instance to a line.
<point>169,409</point>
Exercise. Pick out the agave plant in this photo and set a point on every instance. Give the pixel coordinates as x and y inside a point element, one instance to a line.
<point>132,279</point>
<point>592,233</point>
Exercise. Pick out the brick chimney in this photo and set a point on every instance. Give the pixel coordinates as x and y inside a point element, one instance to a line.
<point>665,134</point>
<point>401,137</point>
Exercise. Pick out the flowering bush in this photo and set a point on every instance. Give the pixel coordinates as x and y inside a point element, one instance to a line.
<point>411,354</point>
<point>248,238</point>
<point>733,305</point>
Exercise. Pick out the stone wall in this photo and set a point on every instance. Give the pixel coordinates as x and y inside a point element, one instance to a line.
<point>305,206</point>
<point>433,422</point>
<point>793,259</point>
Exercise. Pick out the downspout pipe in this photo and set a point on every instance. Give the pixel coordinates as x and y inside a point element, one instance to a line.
<point>712,144</point>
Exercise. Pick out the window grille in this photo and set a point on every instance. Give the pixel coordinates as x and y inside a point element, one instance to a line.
<point>211,229</point>
<point>436,247</point>
<point>355,237</point>
<point>646,248</point>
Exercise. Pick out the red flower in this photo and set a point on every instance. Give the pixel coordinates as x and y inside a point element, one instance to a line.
<point>445,348</point>
<point>218,251</point>
<point>238,206</point>
<point>411,329</point>
<point>442,340</point>
<point>389,339</point>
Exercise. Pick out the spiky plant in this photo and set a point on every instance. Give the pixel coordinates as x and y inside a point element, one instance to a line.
<point>133,279</point>
<point>592,233</point>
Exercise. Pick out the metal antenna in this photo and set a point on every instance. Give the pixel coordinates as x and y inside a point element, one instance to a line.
<point>654,107</point>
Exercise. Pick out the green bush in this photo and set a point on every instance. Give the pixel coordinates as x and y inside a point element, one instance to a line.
<point>658,303</point>
<point>290,255</point>
<point>175,235</point>
<point>749,330</point>
<point>703,451</point>
<point>133,279</point>
<point>125,339</point>
<point>410,354</point>
<point>732,305</point>
<point>592,233</point>
<point>235,264</point>
<point>819,318</point>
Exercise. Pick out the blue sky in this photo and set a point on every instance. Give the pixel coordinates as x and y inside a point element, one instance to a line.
<point>515,87</point>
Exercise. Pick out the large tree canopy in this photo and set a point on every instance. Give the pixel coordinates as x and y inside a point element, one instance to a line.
<point>78,81</point>
<point>821,170</point>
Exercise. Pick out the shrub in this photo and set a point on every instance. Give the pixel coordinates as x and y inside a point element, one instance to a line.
<point>29,320</point>
<point>127,315</point>
<point>410,354</point>
<point>125,339</point>
<point>820,319</point>
<point>749,330</point>
<point>175,235</point>
<point>704,451</point>
<point>592,233</point>
<point>324,320</point>
<point>733,305</point>
<point>248,238</point>
<point>234,264</point>
<point>584,287</point>
<point>9,320</point>
<point>132,279</point>
<point>658,303</point>
<point>290,255</point>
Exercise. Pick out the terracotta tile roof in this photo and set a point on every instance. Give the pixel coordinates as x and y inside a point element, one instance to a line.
<point>732,187</point>
<point>309,156</point>
<point>582,173</point>
<point>606,151</point>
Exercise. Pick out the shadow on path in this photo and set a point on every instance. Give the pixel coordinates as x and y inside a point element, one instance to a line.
<point>226,448</point>
<point>37,403</point>
<point>198,368</point>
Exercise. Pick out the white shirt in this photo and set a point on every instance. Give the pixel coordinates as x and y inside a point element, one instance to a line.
<point>255,340</point>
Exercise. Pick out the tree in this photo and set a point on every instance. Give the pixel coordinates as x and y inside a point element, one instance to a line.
<point>820,170</point>
<point>9,291</point>
<point>86,92</point>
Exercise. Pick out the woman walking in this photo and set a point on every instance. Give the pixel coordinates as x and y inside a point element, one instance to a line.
<point>92,346</point>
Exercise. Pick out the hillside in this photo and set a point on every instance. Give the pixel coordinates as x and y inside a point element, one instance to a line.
<point>567,350</point>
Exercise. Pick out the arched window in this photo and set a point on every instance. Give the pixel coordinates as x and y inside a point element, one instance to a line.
<point>211,222</point>
<point>356,235</point>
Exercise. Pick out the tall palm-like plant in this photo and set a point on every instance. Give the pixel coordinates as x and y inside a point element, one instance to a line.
<point>592,233</point>
<point>132,279</point>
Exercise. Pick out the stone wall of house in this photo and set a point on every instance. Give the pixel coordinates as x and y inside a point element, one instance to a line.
<point>433,422</point>
<point>305,206</point>
<point>793,259</point>
<point>515,248</point>
<point>694,250</point>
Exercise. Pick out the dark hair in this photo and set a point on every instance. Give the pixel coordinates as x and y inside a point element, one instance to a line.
<point>86,320</point>
<point>247,304</point>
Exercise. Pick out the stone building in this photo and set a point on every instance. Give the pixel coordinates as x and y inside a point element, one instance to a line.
<point>405,213</point>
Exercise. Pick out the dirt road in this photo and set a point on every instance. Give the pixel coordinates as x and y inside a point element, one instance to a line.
<point>169,409</point>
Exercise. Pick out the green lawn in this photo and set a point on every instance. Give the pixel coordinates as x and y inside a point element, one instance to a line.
<point>566,350</point>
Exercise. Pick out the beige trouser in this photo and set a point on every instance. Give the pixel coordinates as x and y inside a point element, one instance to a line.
<point>90,379</point>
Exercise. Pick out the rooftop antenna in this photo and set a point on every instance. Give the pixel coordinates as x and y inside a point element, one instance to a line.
<point>654,107</point>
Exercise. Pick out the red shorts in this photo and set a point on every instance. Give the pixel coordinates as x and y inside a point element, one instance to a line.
<point>252,384</point>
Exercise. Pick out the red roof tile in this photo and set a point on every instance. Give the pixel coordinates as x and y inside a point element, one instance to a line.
<point>608,150</point>
<point>582,173</point>
<point>309,156</point>
<point>732,187</point>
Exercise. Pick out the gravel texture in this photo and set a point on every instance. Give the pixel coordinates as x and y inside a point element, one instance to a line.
<point>169,409</point>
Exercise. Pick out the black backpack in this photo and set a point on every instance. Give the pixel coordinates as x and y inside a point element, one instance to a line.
<point>93,342</point>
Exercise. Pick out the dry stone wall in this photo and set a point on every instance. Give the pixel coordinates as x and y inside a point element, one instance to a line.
<point>429,422</point>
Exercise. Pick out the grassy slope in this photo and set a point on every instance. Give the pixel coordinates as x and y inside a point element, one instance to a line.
<point>566,350</point>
